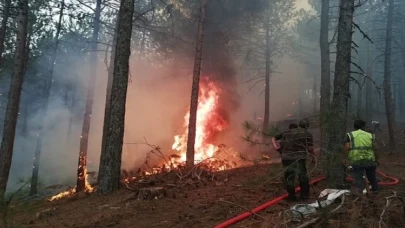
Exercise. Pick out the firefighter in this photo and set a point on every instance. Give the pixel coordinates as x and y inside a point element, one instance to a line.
<point>297,143</point>
<point>279,137</point>
<point>361,149</point>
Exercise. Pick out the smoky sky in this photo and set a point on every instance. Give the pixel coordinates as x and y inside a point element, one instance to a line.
<point>222,21</point>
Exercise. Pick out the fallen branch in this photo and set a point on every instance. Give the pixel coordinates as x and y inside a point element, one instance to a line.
<point>387,204</point>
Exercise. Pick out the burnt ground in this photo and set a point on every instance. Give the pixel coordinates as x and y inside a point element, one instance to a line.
<point>204,205</point>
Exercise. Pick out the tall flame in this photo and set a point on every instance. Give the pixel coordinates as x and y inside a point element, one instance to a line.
<point>209,123</point>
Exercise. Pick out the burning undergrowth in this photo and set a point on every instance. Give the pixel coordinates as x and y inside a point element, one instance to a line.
<point>210,155</point>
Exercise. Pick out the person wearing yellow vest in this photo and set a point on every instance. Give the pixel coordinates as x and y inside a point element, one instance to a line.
<point>361,149</point>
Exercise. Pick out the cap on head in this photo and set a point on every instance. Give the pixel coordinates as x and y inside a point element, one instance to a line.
<point>359,125</point>
<point>304,123</point>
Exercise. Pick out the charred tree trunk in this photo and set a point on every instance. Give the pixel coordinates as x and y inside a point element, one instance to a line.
<point>3,29</point>
<point>369,87</point>
<point>84,137</point>
<point>109,86</point>
<point>389,105</point>
<point>192,123</point>
<point>337,127</point>
<point>110,160</point>
<point>266,116</point>
<point>10,120</point>
<point>47,94</point>
<point>325,73</point>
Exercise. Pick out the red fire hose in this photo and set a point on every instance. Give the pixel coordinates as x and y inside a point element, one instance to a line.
<point>240,217</point>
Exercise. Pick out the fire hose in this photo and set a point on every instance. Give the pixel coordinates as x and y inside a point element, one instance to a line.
<point>274,201</point>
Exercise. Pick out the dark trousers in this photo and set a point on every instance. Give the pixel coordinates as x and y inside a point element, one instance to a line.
<point>292,169</point>
<point>359,182</point>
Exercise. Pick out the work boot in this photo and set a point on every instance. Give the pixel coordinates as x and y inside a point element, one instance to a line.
<point>291,198</point>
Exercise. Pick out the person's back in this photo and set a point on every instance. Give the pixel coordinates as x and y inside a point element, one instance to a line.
<point>296,144</point>
<point>361,146</point>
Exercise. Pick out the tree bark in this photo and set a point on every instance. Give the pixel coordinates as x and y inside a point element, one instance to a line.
<point>314,96</point>
<point>325,73</point>
<point>192,123</point>
<point>110,160</point>
<point>47,94</point>
<point>359,99</point>
<point>389,105</point>
<point>266,116</point>
<point>10,120</point>
<point>369,87</point>
<point>3,29</point>
<point>402,81</point>
<point>84,137</point>
<point>109,86</point>
<point>337,124</point>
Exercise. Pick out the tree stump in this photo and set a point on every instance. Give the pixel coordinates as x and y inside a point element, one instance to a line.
<point>151,193</point>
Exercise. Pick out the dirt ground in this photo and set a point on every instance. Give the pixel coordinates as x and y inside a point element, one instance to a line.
<point>193,205</point>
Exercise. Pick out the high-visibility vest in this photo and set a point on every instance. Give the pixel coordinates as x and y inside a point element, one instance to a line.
<point>361,146</point>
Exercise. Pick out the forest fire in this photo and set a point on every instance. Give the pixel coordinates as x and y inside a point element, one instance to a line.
<point>209,123</point>
<point>88,188</point>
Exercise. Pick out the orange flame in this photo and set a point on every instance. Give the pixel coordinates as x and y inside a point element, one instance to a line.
<point>88,188</point>
<point>209,122</point>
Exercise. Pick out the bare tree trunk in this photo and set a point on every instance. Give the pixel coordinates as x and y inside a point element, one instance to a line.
<point>84,137</point>
<point>47,94</point>
<point>389,105</point>
<point>369,87</point>
<point>109,86</point>
<point>338,121</point>
<point>266,117</point>
<point>325,73</point>
<point>3,29</point>
<point>359,99</point>
<point>314,96</point>
<point>110,160</point>
<point>402,81</point>
<point>11,115</point>
<point>192,123</point>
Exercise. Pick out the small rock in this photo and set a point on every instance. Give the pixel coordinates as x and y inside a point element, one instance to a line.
<point>46,213</point>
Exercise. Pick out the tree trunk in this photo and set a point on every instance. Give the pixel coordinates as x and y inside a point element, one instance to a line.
<point>389,105</point>
<point>192,123</point>
<point>314,97</point>
<point>10,119</point>
<point>266,116</point>
<point>337,124</point>
<point>109,86</point>
<point>110,160</point>
<point>3,29</point>
<point>325,73</point>
<point>47,94</point>
<point>359,99</point>
<point>369,87</point>
<point>402,82</point>
<point>84,137</point>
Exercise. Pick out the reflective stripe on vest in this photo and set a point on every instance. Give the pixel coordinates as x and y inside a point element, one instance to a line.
<point>361,146</point>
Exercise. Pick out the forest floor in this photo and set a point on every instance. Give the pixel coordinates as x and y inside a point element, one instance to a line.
<point>206,205</point>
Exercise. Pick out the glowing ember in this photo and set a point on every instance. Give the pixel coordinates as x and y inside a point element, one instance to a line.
<point>209,123</point>
<point>88,188</point>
